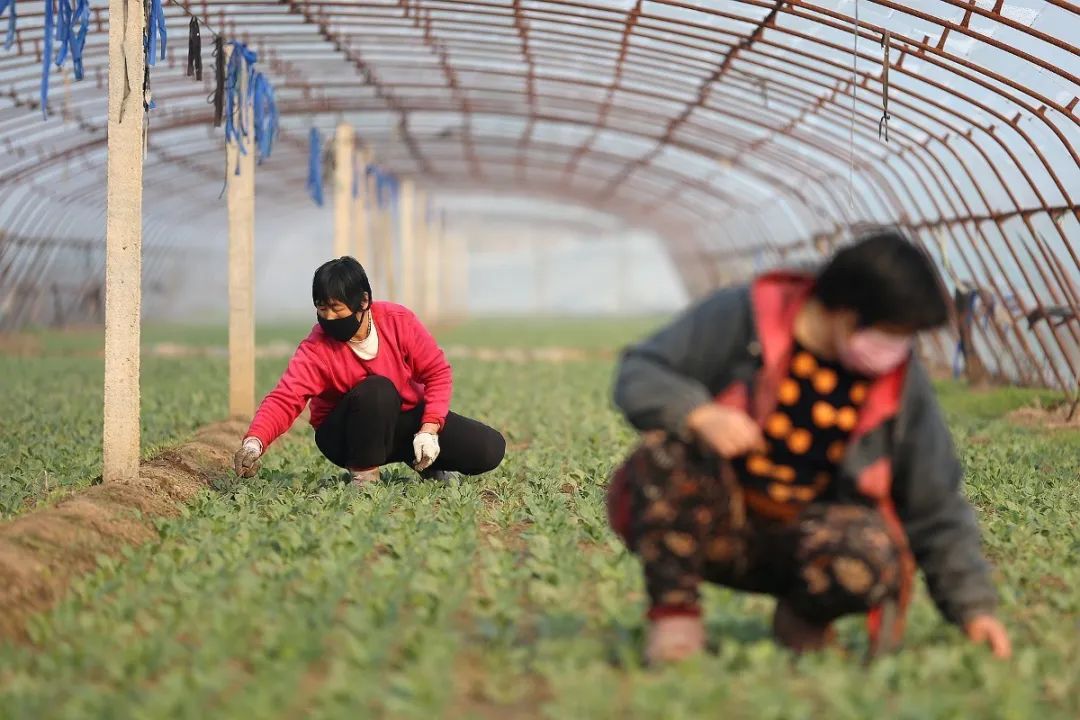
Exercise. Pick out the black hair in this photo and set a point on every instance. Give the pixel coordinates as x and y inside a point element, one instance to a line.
<point>343,279</point>
<point>884,278</point>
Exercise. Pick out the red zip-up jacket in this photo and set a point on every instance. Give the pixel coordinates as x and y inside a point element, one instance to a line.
<point>323,369</point>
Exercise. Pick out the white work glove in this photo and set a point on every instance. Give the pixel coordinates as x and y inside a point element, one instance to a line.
<point>246,459</point>
<point>426,447</point>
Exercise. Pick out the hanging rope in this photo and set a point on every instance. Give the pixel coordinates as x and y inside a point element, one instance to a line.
<point>194,50</point>
<point>10,38</point>
<point>265,116</point>
<point>883,124</point>
<point>148,99</point>
<point>314,179</point>
<point>155,27</point>
<point>218,96</point>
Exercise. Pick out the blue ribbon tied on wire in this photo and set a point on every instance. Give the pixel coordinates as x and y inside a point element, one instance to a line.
<point>266,116</point>
<point>386,187</point>
<point>10,6</point>
<point>46,58</point>
<point>314,178</point>
<point>68,27</point>
<point>155,29</point>
<point>240,60</point>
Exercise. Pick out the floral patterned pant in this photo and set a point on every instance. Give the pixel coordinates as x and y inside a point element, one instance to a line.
<point>684,515</point>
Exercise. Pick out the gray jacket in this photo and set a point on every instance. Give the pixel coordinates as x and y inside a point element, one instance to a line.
<point>715,343</point>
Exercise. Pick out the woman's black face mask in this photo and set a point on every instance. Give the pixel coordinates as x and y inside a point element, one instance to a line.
<point>342,329</point>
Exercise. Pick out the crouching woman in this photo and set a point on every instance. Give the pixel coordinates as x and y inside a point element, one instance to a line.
<point>793,446</point>
<point>378,386</point>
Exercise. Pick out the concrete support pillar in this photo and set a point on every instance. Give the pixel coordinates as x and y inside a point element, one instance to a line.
<point>407,242</point>
<point>123,243</point>
<point>451,282</point>
<point>622,272</point>
<point>241,207</point>
<point>432,267</point>
<point>541,273</point>
<point>457,272</point>
<point>466,274</point>
<point>420,241</point>
<point>362,207</point>
<point>343,182</point>
<point>387,229</point>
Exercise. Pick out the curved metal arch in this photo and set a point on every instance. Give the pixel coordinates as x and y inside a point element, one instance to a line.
<point>931,181</point>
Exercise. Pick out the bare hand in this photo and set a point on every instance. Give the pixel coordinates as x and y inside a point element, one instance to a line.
<point>989,630</point>
<point>728,431</point>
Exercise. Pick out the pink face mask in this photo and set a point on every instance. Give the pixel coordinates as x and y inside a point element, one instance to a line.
<point>873,352</point>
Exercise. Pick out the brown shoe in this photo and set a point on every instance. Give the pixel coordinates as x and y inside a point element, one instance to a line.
<point>797,634</point>
<point>674,638</point>
<point>363,477</point>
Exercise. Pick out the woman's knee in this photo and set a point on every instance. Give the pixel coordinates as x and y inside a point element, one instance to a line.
<point>374,390</point>
<point>480,451</point>
<point>492,451</point>
<point>848,561</point>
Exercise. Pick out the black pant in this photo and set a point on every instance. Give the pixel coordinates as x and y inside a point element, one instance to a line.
<point>367,428</point>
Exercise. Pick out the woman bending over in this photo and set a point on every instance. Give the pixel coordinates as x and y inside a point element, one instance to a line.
<point>378,386</point>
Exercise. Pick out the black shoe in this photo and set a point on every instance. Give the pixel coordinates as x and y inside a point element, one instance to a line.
<point>437,475</point>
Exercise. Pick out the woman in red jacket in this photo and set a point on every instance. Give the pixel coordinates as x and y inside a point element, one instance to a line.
<point>378,386</point>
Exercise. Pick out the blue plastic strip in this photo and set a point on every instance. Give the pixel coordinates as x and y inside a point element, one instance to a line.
<point>156,28</point>
<point>46,59</point>
<point>78,39</point>
<point>266,116</point>
<point>393,185</point>
<point>386,187</point>
<point>383,190</point>
<point>371,201</point>
<point>72,24</point>
<point>314,180</point>
<point>240,58</point>
<point>9,39</point>
<point>63,30</point>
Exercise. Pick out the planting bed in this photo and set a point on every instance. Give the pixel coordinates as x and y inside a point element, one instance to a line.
<point>291,595</point>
